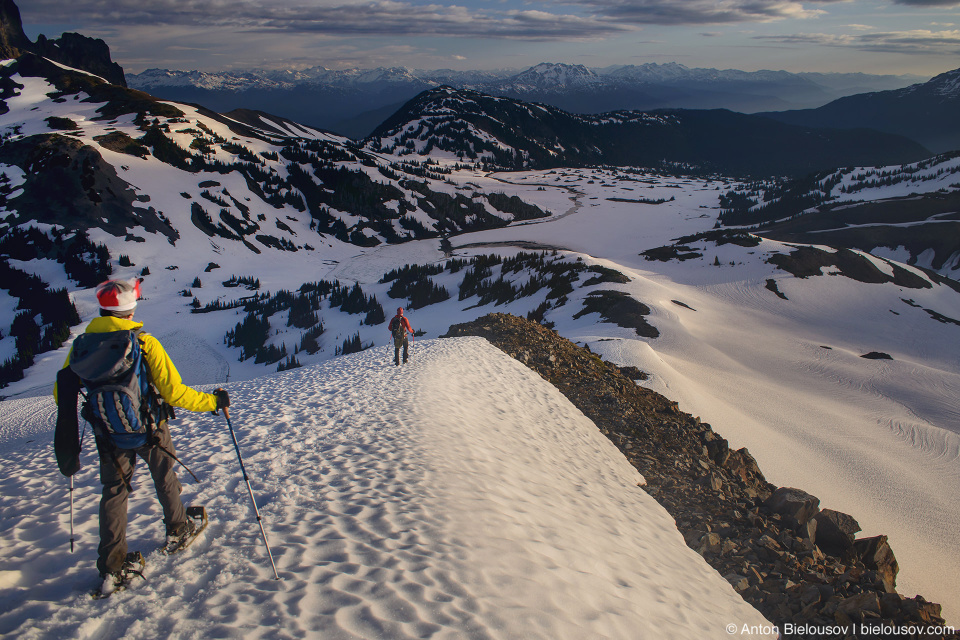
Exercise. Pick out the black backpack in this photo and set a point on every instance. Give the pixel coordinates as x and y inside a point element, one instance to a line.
<point>397,328</point>
<point>121,402</point>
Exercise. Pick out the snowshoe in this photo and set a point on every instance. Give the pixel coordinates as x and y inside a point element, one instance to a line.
<point>112,583</point>
<point>180,540</point>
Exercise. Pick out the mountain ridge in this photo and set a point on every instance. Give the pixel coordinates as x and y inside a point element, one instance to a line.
<point>71,49</point>
<point>544,73</point>
<point>926,112</point>
<point>513,133</point>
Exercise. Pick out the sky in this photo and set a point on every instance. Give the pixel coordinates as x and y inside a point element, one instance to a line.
<point>920,37</point>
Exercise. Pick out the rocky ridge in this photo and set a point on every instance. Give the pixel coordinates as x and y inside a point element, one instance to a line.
<point>797,564</point>
<point>70,49</point>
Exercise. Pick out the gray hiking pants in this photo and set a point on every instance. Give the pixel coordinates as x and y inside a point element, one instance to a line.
<point>397,344</point>
<point>113,501</point>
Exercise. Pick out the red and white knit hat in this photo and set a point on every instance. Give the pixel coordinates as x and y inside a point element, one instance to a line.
<point>118,295</point>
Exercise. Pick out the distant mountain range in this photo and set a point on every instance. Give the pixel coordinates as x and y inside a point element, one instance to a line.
<point>353,102</point>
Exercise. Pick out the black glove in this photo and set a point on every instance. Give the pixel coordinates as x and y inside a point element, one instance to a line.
<point>223,400</point>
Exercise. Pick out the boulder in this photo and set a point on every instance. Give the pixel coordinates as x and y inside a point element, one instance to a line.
<point>809,594</point>
<point>713,482</point>
<point>718,450</point>
<point>855,606</point>
<point>709,544</point>
<point>919,609</point>
<point>876,554</point>
<point>835,531</point>
<point>795,505</point>
<point>744,466</point>
<point>890,605</point>
<point>737,581</point>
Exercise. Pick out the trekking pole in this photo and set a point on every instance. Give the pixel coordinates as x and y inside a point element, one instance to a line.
<point>236,445</point>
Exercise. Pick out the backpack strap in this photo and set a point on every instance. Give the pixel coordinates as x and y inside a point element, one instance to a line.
<point>153,408</point>
<point>164,410</point>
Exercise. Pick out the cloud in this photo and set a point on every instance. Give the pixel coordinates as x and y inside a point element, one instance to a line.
<point>928,3</point>
<point>388,18</point>
<point>541,20</point>
<point>701,12</point>
<point>915,42</point>
<point>138,48</point>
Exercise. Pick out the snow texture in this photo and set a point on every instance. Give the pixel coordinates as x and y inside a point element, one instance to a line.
<point>460,496</point>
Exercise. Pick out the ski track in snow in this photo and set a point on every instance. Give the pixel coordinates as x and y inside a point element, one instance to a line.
<point>460,496</point>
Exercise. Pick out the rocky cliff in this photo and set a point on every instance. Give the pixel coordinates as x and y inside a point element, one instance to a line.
<point>70,49</point>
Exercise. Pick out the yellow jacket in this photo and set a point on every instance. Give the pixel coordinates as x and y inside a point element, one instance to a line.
<point>165,375</point>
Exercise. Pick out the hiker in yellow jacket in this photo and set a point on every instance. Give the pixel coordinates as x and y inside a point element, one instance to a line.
<point>118,301</point>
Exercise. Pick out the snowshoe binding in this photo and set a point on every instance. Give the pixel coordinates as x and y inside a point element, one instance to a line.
<point>117,581</point>
<point>179,540</point>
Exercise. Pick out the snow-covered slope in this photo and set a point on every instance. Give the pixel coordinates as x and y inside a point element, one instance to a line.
<point>908,212</point>
<point>461,496</point>
<point>259,181</point>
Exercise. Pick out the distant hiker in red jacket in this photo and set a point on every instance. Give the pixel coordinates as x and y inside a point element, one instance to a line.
<point>399,328</point>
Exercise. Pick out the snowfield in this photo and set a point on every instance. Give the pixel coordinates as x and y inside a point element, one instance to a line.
<point>460,496</point>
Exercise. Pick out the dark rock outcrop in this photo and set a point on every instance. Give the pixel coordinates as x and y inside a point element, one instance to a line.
<point>70,49</point>
<point>877,555</point>
<point>81,52</point>
<point>720,499</point>
<point>13,41</point>
<point>68,183</point>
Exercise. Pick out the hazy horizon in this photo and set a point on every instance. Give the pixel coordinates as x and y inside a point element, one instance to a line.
<point>881,37</point>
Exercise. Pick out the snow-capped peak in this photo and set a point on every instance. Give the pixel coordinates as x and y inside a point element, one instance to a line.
<point>546,76</point>
<point>946,84</point>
